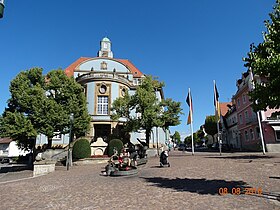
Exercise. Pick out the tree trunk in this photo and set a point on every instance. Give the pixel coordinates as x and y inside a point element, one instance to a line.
<point>166,137</point>
<point>49,142</point>
<point>214,140</point>
<point>148,132</point>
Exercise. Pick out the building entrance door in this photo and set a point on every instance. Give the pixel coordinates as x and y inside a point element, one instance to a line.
<point>103,131</point>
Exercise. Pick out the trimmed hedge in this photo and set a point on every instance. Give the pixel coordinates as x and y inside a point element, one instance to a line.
<point>117,143</point>
<point>81,149</point>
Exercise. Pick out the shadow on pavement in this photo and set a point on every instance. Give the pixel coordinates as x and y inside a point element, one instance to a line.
<point>155,167</point>
<point>274,177</point>
<point>199,186</point>
<point>15,168</point>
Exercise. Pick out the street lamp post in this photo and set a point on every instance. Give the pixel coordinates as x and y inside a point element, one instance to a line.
<point>157,140</point>
<point>69,155</point>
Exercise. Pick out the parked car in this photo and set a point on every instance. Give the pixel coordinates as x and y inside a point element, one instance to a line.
<point>225,147</point>
<point>5,160</point>
<point>182,147</point>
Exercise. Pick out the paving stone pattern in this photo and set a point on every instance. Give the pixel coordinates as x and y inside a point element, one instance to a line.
<point>192,182</point>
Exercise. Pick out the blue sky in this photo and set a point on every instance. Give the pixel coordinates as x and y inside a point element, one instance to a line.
<point>185,43</point>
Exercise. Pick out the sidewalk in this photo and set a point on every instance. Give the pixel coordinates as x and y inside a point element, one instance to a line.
<point>15,176</point>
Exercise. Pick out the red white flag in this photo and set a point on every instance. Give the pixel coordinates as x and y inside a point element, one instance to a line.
<point>189,102</point>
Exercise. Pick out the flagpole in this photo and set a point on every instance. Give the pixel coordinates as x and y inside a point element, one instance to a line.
<point>220,145</point>
<point>252,87</point>
<point>191,121</point>
<point>261,132</point>
<point>216,113</point>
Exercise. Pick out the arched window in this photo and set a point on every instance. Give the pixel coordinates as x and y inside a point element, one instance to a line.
<point>252,134</point>
<point>246,136</point>
<point>258,132</point>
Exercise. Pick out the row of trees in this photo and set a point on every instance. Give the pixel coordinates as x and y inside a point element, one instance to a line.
<point>41,104</point>
<point>210,128</point>
<point>198,136</point>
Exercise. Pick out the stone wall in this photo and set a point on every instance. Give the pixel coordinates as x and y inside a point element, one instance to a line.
<point>43,167</point>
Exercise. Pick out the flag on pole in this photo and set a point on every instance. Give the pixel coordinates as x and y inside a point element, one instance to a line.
<point>189,102</point>
<point>216,103</point>
<point>190,117</point>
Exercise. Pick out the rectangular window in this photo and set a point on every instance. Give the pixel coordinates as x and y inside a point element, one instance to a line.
<point>246,117</point>
<point>134,82</point>
<point>240,119</point>
<point>238,102</point>
<point>102,105</point>
<point>137,81</point>
<point>244,98</point>
<point>57,136</point>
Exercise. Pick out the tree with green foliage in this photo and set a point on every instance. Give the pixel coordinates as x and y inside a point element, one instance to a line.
<point>200,134</point>
<point>18,127</point>
<point>197,138</point>
<point>176,137</point>
<point>264,61</point>
<point>152,112</point>
<point>210,125</point>
<point>68,97</point>
<point>170,115</point>
<point>44,103</point>
<point>188,140</point>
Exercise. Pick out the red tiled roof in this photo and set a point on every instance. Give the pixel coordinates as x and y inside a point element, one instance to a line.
<point>136,72</point>
<point>5,140</point>
<point>69,71</point>
<point>224,108</point>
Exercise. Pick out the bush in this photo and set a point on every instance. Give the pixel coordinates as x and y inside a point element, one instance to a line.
<point>117,143</point>
<point>81,149</point>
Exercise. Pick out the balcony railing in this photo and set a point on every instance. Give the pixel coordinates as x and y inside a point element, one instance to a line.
<point>107,75</point>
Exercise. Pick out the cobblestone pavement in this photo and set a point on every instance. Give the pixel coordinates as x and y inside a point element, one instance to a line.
<point>192,182</point>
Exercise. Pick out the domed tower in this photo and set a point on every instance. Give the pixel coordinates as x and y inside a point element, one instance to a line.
<point>105,48</point>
